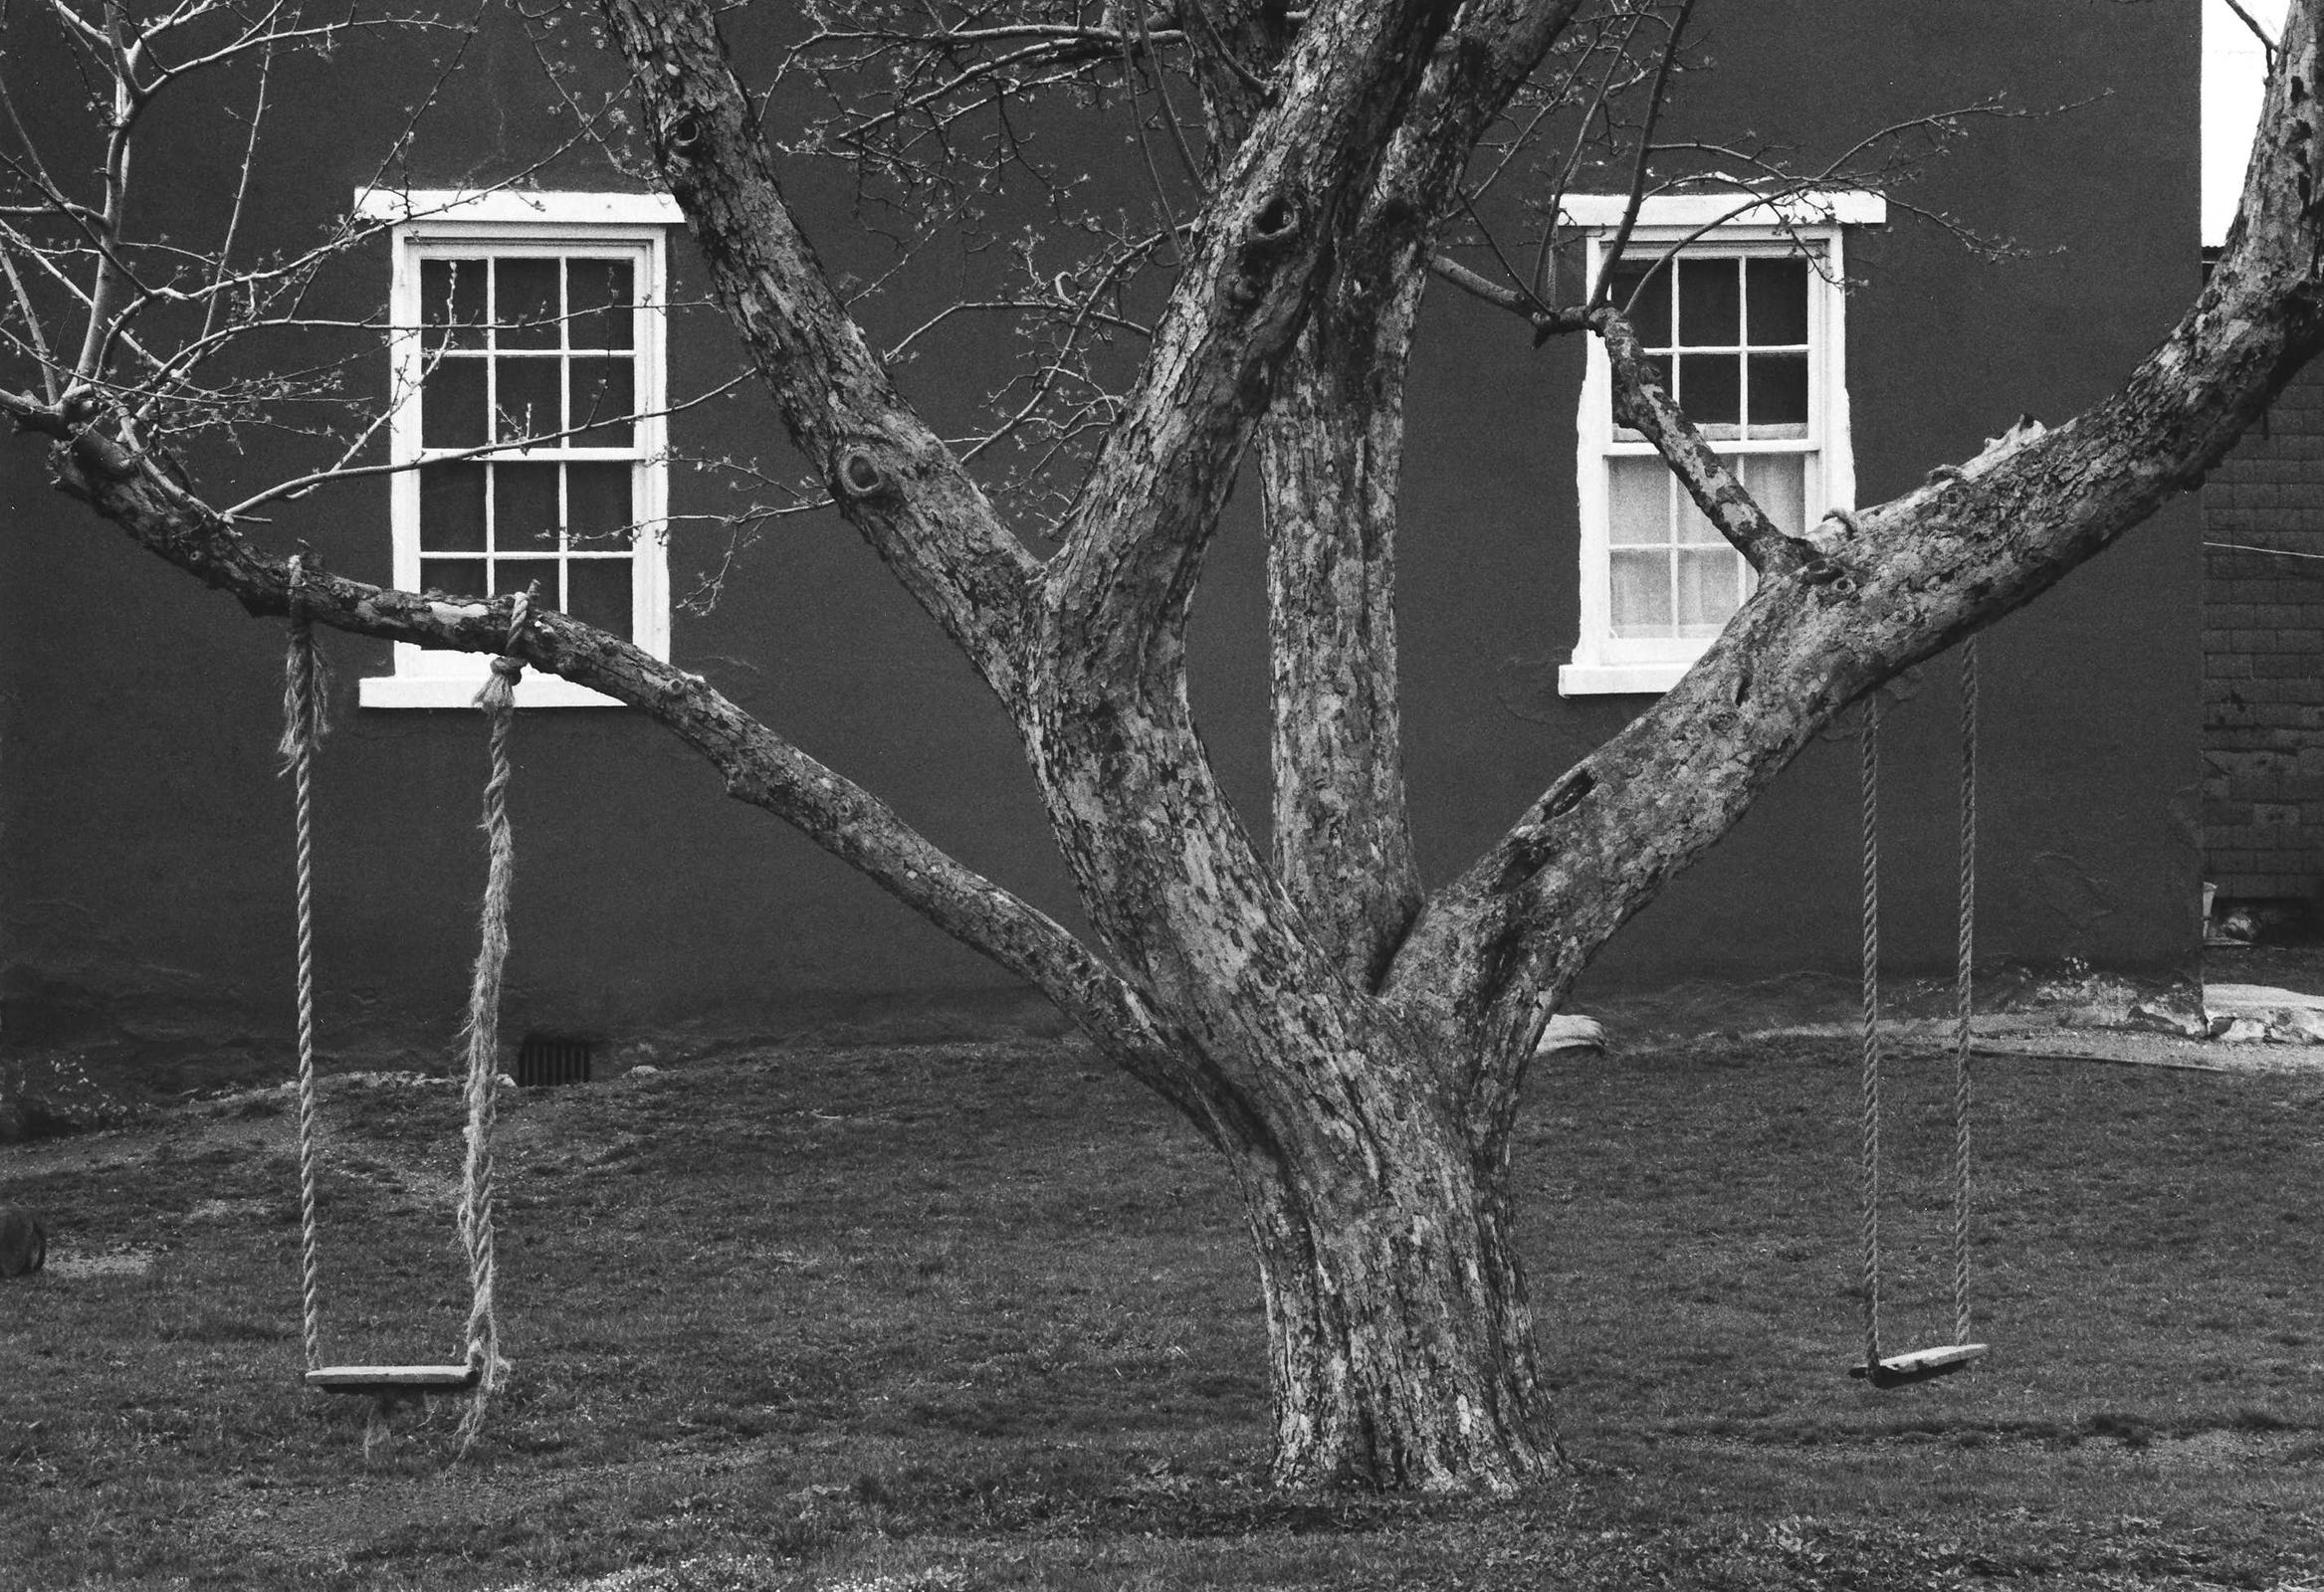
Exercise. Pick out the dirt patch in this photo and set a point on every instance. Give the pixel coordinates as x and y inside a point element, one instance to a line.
<point>346,1522</point>
<point>125,1263</point>
<point>229,1209</point>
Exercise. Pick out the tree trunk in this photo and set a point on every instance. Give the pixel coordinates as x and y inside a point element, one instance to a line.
<point>1398,1335</point>
<point>1331,453</point>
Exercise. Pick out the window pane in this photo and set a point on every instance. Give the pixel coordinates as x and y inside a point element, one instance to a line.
<point>1650,315</point>
<point>597,513</point>
<point>599,295</point>
<point>452,404</point>
<point>597,592</point>
<point>1641,593</point>
<point>512,575</point>
<point>1638,493</point>
<point>1710,303</point>
<point>525,516</point>
<point>525,310</point>
<point>463,578</point>
<point>1778,395</point>
<point>1710,389</point>
<point>451,508</point>
<point>452,296</point>
<point>527,398</point>
<point>1778,481</point>
<point>601,393</point>
<point>1778,301</point>
<point>1709,588</point>
<point>1694,526</point>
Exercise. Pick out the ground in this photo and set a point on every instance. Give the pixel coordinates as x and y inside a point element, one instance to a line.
<point>983,1316</point>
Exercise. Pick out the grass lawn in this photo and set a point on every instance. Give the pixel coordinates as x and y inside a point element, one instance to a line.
<point>965,1316</point>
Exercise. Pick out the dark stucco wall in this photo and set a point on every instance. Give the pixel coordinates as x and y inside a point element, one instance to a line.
<point>144,854</point>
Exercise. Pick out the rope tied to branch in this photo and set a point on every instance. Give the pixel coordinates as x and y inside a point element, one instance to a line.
<point>1964,990</point>
<point>1869,1233</point>
<point>498,700</point>
<point>1964,994</point>
<point>306,721</point>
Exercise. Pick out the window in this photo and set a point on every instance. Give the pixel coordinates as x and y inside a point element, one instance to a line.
<point>526,361</point>
<point>1738,307</point>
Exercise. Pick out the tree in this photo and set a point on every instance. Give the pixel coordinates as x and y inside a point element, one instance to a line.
<point>1353,1045</point>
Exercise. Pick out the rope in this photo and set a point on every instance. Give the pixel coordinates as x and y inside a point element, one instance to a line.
<point>1963,992</point>
<point>1870,1175</point>
<point>1965,945</point>
<point>304,724</point>
<point>498,699</point>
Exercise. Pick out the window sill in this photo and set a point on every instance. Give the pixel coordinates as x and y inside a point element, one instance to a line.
<point>1620,680</point>
<point>534,690</point>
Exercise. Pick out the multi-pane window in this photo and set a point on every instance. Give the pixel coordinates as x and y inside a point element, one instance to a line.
<point>537,351</point>
<point>527,363</point>
<point>1742,323</point>
<point>1728,337</point>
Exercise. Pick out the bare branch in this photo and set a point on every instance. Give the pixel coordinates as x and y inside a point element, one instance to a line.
<point>891,475</point>
<point>759,766</point>
<point>1654,105</point>
<point>1921,571</point>
<point>1642,405</point>
<point>300,486</point>
<point>1152,497</point>
<point>2266,40</point>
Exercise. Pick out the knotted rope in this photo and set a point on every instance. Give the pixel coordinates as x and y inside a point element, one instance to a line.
<point>498,699</point>
<point>304,723</point>
<point>1870,1174</point>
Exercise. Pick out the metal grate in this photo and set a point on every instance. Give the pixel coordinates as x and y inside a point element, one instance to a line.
<point>543,1060</point>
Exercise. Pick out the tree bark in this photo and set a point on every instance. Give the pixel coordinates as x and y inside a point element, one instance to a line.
<point>1398,1333</point>
<point>1331,454</point>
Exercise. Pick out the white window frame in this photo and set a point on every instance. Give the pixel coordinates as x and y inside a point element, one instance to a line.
<point>1724,224</point>
<point>437,222</point>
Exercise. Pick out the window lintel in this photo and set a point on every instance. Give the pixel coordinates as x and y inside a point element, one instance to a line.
<point>421,211</point>
<point>1729,214</point>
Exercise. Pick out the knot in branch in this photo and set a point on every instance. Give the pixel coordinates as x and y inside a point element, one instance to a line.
<point>1273,230</point>
<point>1276,221</point>
<point>861,476</point>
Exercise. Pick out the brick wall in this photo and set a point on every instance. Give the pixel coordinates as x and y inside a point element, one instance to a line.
<point>2263,657</point>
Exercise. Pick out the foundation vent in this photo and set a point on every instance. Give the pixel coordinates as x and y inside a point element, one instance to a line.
<point>543,1060</point>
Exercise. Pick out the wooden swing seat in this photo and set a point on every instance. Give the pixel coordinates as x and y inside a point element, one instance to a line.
<point>394,1381</point>
<point>1920,1365</point>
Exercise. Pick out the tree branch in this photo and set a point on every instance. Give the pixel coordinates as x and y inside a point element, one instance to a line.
<point>1642,405</point>
<point>2266,44</point>
<point>1146,513</point>
<point>893,478</point>
<point>1331,461</point>
<point>1504,942</point>
<point>757,765</point>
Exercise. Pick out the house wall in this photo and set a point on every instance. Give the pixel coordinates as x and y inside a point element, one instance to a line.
<point>2263,657</point>
<point>144,867</point>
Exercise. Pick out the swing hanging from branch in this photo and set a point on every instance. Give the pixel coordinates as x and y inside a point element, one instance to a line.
<point>1920,1365</point>
<point>304,728</point>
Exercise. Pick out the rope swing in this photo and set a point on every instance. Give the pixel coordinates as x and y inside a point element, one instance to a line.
<point>1921,1364</point>
<point>305,726</point>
